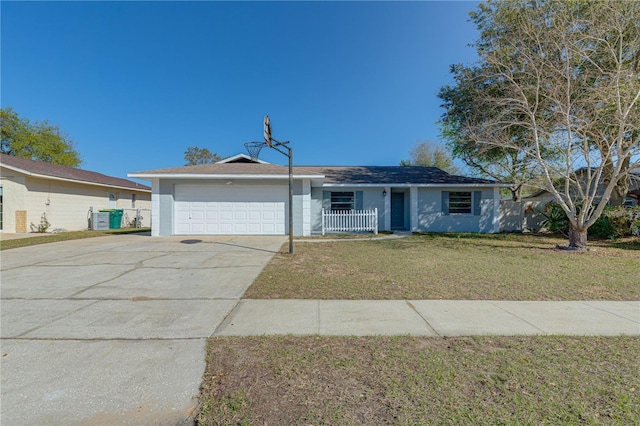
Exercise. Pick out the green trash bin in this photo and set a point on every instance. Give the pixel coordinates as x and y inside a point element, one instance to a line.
<point>115,217</point>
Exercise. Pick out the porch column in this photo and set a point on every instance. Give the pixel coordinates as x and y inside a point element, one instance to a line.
<point>387,209</point>
<point>413,199</point>
<point>306,207</point>
<point>155,207</point>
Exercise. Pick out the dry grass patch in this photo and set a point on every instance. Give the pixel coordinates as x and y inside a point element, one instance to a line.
<point>65,236</point>
<point>454,266</point>
<point>404,380</point>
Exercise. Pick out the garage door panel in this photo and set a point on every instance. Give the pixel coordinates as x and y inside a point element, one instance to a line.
<point>237,209</point>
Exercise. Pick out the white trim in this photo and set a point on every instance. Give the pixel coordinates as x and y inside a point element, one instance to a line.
<point>417,185</point>
<point>238,156</point>
<point>217,176</point>
<point>41,176</point>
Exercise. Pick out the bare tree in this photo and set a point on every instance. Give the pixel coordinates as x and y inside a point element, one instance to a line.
<point>195,155</point>
<point>569,81</point>
<point>430,154</point>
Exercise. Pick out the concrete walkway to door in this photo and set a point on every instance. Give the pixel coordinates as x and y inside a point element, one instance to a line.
<point>113,330</point>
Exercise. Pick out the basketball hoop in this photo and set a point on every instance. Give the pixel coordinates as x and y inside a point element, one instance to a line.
<point>267,130</point>
<point>253,148</point>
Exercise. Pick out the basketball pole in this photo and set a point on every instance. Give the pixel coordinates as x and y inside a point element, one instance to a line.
<point>289,154</point>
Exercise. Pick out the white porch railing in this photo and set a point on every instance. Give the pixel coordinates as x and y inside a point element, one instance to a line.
<point>349,221</point>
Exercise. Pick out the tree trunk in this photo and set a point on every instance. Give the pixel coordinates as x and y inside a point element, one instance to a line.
<point>619,193</point>
<point>516,193</point>
<point>577,238</point>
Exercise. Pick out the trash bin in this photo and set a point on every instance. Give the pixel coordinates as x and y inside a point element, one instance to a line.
<point>115,217</point>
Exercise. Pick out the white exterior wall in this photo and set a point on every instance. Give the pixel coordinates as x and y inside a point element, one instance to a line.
<point>66,204</point>
<point>306,207</point>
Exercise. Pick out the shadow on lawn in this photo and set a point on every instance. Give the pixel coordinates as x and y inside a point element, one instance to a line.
<point>539,241</point>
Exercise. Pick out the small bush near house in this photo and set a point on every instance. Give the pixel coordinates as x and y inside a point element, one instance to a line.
<point>43,226</point>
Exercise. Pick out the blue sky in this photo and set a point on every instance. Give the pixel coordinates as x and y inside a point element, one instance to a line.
<point>135,83</point>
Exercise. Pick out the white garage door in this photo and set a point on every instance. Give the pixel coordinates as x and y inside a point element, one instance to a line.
<point>230,210</point>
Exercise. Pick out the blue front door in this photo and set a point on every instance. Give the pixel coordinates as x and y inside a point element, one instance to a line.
<point>397,210</point>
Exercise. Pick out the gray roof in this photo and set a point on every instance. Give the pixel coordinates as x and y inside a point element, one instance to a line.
<point>373,175</point>
<point>393,175</point>
<point>43,168</point>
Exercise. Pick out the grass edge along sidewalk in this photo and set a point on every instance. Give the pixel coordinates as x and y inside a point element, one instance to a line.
<point>453,267</point>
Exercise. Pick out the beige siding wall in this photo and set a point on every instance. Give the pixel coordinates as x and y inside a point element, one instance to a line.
<point>66,204</point>
<point>13,191</point>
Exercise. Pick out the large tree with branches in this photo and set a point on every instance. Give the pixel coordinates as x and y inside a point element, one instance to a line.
<point>558,86</point>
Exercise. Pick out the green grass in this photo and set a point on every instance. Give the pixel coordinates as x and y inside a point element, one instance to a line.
<point>454,266</point>
<point>65,236</point>
<point>406,380</point>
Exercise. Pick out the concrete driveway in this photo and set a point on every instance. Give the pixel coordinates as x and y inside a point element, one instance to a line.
<point>113,330</point>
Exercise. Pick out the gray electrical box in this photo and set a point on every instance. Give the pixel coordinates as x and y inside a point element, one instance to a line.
<point>100,221</point>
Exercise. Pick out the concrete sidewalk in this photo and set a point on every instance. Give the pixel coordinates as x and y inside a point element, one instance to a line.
<point>431,318</point>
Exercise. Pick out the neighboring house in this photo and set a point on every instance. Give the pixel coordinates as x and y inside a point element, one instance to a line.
<point>241,196</point>
<point>30,188</point>
<point>526,215</point>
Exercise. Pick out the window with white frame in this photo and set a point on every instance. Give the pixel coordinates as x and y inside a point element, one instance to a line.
<point>133,201</point>
<point>344,200</point>
<point>460,202</point>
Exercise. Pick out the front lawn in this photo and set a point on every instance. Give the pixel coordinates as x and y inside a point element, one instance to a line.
<point>453,266</point>
<point>405,380</point>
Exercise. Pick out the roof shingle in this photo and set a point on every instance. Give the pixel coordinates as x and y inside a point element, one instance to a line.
<point>56,171</point>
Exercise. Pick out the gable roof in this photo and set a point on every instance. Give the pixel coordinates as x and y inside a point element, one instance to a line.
<point>230,170</point>
<point>54,171</point>
<point>329,175</point>
<point>241,158</point>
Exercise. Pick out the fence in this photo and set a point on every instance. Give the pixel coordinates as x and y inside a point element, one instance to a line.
<point>521,216</point>
<point>350,221</point>
<point>136,218</point>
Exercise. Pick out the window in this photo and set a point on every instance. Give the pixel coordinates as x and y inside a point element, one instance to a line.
<point>133,201</point>
<point>460,202</point>
<point>342,201</point>
<point>1,219</point>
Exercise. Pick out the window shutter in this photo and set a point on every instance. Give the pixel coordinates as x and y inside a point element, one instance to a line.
<point>326,200</point>
<point>359,200</point>
<point>445,202</point>
<point>477,196</point>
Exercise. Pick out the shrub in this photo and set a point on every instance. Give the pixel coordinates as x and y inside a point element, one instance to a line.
<point>42,226</point>
<point>614,222</point>
<point>555,219</point>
